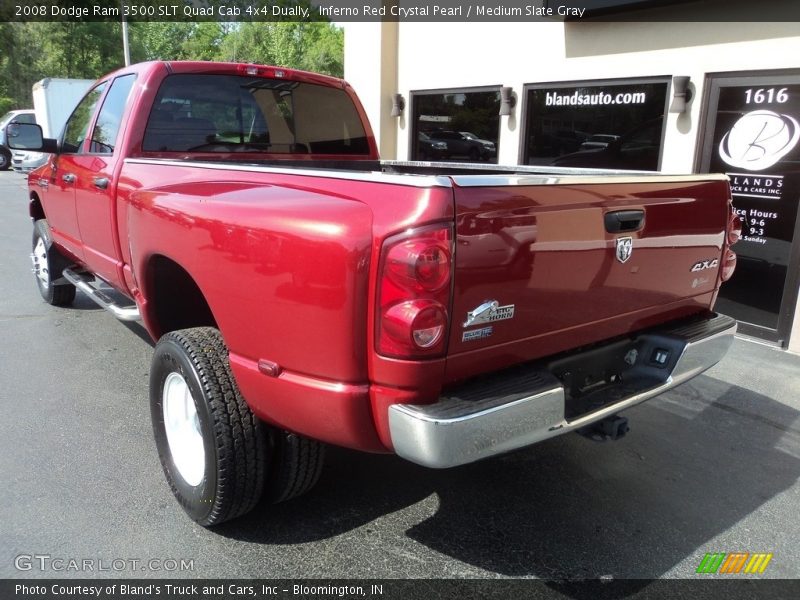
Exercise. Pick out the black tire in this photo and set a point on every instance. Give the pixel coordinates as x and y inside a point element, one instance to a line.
<point>474,154</point>
<point>295,466</point>
<point>5,159</point>
<point>48,264</point>
<point>234,441</point>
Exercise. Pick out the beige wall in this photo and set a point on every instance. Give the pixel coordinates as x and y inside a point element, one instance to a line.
<point>370,66</point>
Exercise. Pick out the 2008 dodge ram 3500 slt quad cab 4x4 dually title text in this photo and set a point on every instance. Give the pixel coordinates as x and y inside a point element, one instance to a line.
<point>302,292</point>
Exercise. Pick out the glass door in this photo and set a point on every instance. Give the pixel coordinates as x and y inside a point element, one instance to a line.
<point>753,134</point>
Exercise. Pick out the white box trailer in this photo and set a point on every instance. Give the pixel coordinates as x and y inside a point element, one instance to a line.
<point>54,100</point>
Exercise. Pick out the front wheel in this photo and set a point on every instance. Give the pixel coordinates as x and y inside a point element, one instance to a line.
<point>48,264</point>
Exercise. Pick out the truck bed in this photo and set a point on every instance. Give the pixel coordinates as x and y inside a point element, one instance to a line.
<point>534,240</point>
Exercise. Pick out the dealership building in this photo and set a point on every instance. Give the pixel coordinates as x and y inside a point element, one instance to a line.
<point>679,87</point>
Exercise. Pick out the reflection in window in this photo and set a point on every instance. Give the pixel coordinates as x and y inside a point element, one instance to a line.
<point>77,126</point>
<point>613,126</point>
<point>227,113</point>
<point>104,136</point>
<point>456,125</point>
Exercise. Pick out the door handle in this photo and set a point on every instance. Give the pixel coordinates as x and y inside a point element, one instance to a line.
<point>68,178</point>
<point>624,220</point>
<point>101,183</point>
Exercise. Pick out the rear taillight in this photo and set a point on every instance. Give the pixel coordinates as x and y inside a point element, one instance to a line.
<point>734,229</point>
<point>416,274</point>
<point>728,264</point>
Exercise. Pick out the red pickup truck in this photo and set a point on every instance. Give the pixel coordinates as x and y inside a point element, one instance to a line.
<point>302,292</point>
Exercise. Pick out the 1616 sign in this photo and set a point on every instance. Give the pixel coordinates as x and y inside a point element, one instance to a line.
<point>756,141</point>
<point>756,144</point>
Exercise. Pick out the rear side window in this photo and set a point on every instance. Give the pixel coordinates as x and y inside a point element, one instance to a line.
<point>106,129</point>
<point>77,126</point>
<point>228,113</point>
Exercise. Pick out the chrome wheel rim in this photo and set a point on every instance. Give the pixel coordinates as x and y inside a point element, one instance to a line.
<point>39,258</point>
<point>182,425</point>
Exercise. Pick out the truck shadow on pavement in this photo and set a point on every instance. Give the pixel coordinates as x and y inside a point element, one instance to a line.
<point>698,461</point>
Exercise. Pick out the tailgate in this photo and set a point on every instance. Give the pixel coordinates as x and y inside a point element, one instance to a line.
<point>543,266</point>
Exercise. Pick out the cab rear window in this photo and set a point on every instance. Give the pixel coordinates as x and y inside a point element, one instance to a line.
<point>229,113</point>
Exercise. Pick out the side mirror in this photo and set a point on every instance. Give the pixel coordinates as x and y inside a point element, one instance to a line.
<point>28,136</point>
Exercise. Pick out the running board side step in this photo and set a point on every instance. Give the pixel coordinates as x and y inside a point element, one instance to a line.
<point>84,283</point>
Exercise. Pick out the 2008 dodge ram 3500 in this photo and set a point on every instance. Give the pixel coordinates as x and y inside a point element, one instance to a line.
<point>302,292</point>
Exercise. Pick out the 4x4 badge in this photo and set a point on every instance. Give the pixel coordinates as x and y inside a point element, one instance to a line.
<point>624,248</point>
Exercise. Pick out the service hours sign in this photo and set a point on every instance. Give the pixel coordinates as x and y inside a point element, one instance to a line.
<point>754,137</point>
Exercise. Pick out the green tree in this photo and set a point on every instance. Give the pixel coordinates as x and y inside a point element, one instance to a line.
<point>324,49</point>
<point>310,46</point>
<point>35,50</point>
<point>203,42</point>
<point>6,104</point>
<point>17,64</point>
<point>157,40</point>
<point>79,50</point>
<point>32,51</point>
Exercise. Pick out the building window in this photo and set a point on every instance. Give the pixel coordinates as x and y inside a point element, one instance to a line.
<point>606,125</point>
<point>461,125</point>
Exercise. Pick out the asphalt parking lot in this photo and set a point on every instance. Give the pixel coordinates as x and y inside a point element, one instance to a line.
<point>710,467</point>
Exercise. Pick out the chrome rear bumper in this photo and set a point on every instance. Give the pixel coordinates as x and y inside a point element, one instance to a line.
<point>506,413</point>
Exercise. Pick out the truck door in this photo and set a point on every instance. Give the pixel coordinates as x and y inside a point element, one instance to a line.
<point>60,196</point>
<point>95,185</point>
